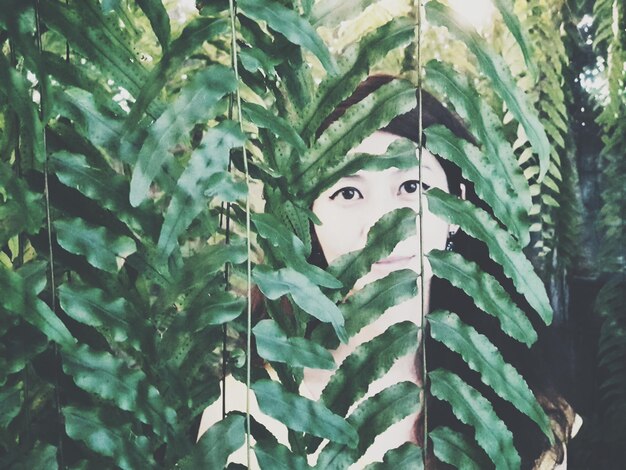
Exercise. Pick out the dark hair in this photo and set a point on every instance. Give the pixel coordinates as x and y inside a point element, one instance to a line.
<point>529,440</point>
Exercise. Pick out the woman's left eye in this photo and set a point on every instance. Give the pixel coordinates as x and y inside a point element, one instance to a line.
<point>412,186</point>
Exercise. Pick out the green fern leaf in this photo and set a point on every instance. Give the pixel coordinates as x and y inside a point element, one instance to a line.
<point>454,448</point>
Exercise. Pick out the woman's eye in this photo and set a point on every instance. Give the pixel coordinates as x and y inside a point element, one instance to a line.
<point>347,193</point>
<point>412,186</point>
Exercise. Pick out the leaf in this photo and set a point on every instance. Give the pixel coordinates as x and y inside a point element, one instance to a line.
<point>11,399</point>
<point>208,159</point>
<point>290,249</point>
<point>103,433</point>
<point>482,356</point>
<point>454,448</point>
<point>193,35</point>
<point>483,122</point>
<point>273,345</point>
<point>485,291</point>
<point>382,238</point>
<point>469,406</point>
<point>291,25</point>
<point>367,363</point>
<point>502,247</point>
<point>216,444</point>
<point>512,22</point>
<point>406,457</point>
<point>359,121</point>
<point>95,308</point>
<point>100,40</point>
<point>112,379</point>
<point>207,87</point>
<point>159,20</point>
<point>355,64</point>
<point>42,456</point>
<point>17,91</point>
<point>278,457</point>
<point>367,304</point>
<point>263,118</point>
<point>494,67</point>
<point>102,249</point>
<point>371,418</point>
<point>301,414</point>
<point>308,296</point>
<point>488,183</point>
<point>330,13</point>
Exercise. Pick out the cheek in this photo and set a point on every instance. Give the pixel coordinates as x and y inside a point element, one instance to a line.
<point>340,232</point>
<point>435,231</point>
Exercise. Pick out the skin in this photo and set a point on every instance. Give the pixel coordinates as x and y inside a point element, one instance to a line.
<point>347,211</point>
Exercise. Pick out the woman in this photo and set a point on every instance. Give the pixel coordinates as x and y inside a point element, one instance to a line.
<point>348,209</point>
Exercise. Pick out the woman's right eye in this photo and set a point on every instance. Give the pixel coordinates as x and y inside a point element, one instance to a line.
<point>347,194</point>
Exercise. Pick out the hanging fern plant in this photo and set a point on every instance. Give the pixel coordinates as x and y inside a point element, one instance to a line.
<point>118,328</point>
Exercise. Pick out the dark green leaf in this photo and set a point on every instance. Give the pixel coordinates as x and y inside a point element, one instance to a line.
<point>482,356</point>
<point>454,448</point>
<point>42,456</point>
<point>10,404</point>
<point>381,240</point>
<point>99,431</point>
<point>306,295</point>
<point>159,20</point>
<point>112,379</point>
<point>472,408</point>
<point>274,345</point>
<point>501,78</point>
<point>367,363</point>
<point>502,247</point>
<point>485,291</point>
<point>371,418</point>
<point>261,117</point>
<point>94,307</point>
<point>278,457</point>
<point>301,414</point>
<point>102,249</point>
<point>291,25</point>
<point>196,103</point>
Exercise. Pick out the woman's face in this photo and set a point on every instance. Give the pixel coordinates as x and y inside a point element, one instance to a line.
<point>355,203</point>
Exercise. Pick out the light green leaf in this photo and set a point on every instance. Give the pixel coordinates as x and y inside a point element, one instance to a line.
<point>482,356</point>
<point>112,379</point>
<point>273,345</point>
<point>488,183</point>
<point>469,406</point>
<point>263,118</point>
<point>406,457</point>
<point>94,307</point>
<point>291,25</point>
<point>503,248</point>
<point>208,159</point>
<point>303,415</point>
<point>196,103</point>
<point>195,33</point>
<point>494,67</point>
<point>102,249</point>
<point>216,445</point>
<point>485,291</point>
<point>371,418</point>
<point>512,21</point>
<point>367,363</point>
<point>159,20</point>
<point>106,436</point>
<point>306,295</point>
<point>275,456</point>
<point>290,249</point>
<point>454,448</point>
<point>382,238</point>
<point>330,13</point>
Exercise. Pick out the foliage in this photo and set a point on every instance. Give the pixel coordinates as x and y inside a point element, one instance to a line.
<point>125,226</point>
